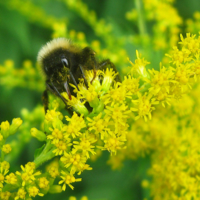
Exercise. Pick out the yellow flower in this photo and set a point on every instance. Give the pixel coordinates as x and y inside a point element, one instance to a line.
<point>5,195</point>
<point>119,113</point>
<point>34,191</point>
<point>90,95</point>
<point>6,148</point>
<point>61,147</point>
<point>76,103</point>
<point>72,129</point>
<point>16,123</point>
<point>85,144</point>
<point>56,135</point>
<point>117,94</point>
<point>113,143</point>
<point>3,171</point>
<point>160,80</point>
<point>5,126</point>
<point>1,137</point>
<point>21,194</point>
<point>131,84</point>
<point>139,66</point>
<point>67,180</point>
<point>190,42</point>
<point>28,174</point>
<point>108,78</point>
<point>4,167</point>
<point>11,179</point>
<point>76,161</point>
<point>43,182</point>
<point>89,75</point>
<point>51,115</point>
<point>98,124</point>
<point>144,106</point>
<point>38,134</point>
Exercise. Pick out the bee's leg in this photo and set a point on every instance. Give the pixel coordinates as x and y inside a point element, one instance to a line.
<point>89,54</point>
<point>45,100</point>
<point>102,65</point>
<point>83,74</point>
<point>73,79</point>
<point>95,67</point>
<point>54,90</point>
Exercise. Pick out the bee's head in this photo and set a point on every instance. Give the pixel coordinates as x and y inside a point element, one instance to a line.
<point>59,60</point>
<point>55,58</point>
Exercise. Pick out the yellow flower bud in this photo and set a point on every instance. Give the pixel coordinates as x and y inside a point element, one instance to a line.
<point>39,135</point>
<point>6,148</point>
<point>16,123</point>
<point>5,126</point>
<point>55,189</point>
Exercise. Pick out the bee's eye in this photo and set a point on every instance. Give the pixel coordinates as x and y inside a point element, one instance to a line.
<point>65,62</point>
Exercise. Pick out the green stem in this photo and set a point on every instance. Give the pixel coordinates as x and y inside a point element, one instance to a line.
<point>46,154</point>
<point>141,24</point>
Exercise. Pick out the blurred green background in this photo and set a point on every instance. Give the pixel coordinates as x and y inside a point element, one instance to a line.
<point>21,37</point>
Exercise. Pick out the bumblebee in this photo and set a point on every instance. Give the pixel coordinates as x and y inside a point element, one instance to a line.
<point>62,63</point>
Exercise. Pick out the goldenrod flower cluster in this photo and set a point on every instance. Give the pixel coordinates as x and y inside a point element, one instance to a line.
<point>108,123</point>
<point>153,112</point>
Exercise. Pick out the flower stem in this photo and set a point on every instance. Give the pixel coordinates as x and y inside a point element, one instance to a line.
<point>141,24</point>
<point>45,155</point>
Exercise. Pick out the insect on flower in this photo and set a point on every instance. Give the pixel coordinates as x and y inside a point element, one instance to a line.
<point>64,63</point>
